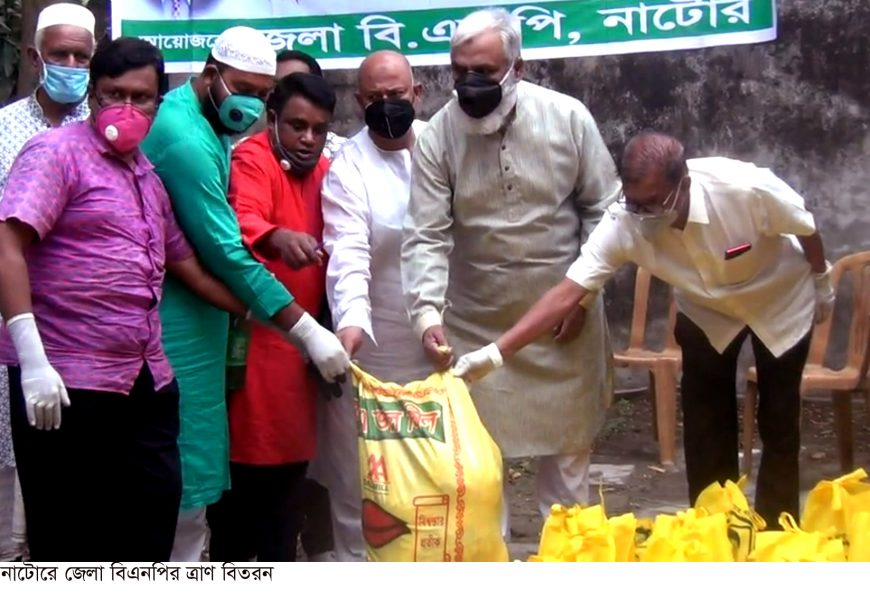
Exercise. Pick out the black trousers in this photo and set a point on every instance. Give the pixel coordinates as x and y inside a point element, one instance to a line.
<point>709,400</point>
<point>260,516</point>
<point>316,536</point>
<point>106,486</point>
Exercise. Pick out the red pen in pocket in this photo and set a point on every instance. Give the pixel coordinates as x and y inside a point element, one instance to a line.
<point>737,250</point>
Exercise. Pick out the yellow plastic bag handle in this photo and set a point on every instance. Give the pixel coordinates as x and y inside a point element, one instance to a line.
<point>787,522</point>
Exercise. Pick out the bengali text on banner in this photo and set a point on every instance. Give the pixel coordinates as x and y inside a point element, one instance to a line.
<point>339,34</point>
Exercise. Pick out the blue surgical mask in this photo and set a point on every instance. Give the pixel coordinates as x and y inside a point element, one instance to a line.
<point>65,85</point>
<point>238,112</point>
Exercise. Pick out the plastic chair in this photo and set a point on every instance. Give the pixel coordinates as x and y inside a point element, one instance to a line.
<point>842,383</point>
<point>663,366</point>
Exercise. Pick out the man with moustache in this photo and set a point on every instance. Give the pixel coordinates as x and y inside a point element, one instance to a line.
<point>190,148</point>
<point>275,191</point>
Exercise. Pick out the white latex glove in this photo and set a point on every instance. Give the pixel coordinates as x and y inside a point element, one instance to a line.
<point>44,391</point>
<point>322,346</point>
<point>824,294</point>
<point>478,364</point>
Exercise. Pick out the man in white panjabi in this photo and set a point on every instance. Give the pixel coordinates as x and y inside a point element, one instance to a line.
<point>365,195</point>
<point>508,180</point>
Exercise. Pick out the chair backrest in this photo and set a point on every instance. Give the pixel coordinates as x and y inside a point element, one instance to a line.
<point>858,349</point>
<point>637,334</point>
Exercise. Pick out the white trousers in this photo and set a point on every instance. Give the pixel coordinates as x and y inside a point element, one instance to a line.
<point>191,533</point>
<point>336,467</point>
<point>562,479</point>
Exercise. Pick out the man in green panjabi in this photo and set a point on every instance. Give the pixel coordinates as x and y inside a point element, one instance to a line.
<point>190,145</point>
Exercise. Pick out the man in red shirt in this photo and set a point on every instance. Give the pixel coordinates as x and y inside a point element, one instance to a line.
<point>275,190</point>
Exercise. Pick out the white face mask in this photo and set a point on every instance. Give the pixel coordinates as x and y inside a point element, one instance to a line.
<point>496,119</point>
<point>653,224</point>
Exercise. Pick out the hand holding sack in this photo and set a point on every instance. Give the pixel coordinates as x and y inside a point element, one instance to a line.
<point>478,364</point>
<point>321,345</point>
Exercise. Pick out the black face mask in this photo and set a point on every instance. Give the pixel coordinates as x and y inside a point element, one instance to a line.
<point>390,118</point>
<point>478,94</point>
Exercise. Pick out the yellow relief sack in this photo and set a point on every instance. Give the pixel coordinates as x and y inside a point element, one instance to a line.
<point>643,530</point>
<point>831,505</point>
<point>431,474</point>
<point>858,535</point>
<point>743,522</point>
<point>586,534</point>
<point>796,545</point>
<point>690,536</point>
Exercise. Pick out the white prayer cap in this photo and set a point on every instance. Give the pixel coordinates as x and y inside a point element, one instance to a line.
<point>66,14</point>
<point>245,49</point>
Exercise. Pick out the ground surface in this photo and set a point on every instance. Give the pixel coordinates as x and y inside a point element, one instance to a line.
<point>625,461</point>
<point>625,465</point>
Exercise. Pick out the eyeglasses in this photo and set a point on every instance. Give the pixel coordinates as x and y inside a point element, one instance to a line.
<point>648,211</point>
<point>140,101</point>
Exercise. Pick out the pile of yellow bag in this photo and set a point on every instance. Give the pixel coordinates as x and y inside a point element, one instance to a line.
<point>835,526</point>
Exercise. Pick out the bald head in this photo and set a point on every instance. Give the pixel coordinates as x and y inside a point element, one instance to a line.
<point>385,74</point>
<point>652,154</point>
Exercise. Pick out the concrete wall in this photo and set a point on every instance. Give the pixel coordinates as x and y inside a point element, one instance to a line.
<point>799,105</point>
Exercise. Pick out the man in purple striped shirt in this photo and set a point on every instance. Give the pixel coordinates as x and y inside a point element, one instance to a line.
<point>86,235</point>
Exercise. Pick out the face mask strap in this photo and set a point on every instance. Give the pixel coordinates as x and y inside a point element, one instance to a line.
<point>223,84</point>
<point>508,73</point>
<point>282,151</point>
<point>44,70</point>
<point>675,194</point>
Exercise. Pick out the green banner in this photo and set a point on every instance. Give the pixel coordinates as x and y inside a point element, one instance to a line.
<point>422,31</point>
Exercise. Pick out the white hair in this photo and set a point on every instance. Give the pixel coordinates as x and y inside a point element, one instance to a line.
<point>498,19</point>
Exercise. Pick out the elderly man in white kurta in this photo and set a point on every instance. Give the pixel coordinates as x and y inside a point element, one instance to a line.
<point>507,181</point>
<point>365,195</point>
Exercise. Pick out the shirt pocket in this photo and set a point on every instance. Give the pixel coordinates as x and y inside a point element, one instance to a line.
<point>741,268</point>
